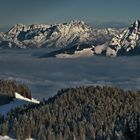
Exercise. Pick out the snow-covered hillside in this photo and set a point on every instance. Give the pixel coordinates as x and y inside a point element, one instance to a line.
<point>17,101</point>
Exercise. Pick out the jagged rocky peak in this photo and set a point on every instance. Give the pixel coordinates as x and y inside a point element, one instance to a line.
<point>81,24</point>
<point>136,25</point>
<point>75,22</point>
<point>17,28</point>
<point>133,33</point>
<point>128,42</point>
<point>22,27</point>
<point>73,26</point>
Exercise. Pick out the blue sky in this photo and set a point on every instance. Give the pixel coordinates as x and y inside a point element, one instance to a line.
<point>95,12</point>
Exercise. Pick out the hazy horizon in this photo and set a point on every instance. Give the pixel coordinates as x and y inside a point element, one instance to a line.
<point>95,12</point>
<point>96,25</point>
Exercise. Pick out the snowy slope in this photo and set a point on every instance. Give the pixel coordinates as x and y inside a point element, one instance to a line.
<point>18,101</point>
<point>8,138</point>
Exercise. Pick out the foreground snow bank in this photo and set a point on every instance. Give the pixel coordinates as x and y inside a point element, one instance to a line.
<point>18,101</point>
<point>8,138</point>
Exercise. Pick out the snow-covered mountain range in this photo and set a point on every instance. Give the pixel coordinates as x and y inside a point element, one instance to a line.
<point>75,33</point>
<point>57,35</point>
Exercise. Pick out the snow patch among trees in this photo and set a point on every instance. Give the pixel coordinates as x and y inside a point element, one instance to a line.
<point>18,101</point>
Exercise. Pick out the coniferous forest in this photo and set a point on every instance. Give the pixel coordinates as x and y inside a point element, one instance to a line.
<point>82,113</point>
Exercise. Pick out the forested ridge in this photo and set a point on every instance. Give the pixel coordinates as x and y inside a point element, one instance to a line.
<point>83,113</point>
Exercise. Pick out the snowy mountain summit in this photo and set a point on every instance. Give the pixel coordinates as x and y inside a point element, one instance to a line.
<point>128,42</point>
<point>108,41</point>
